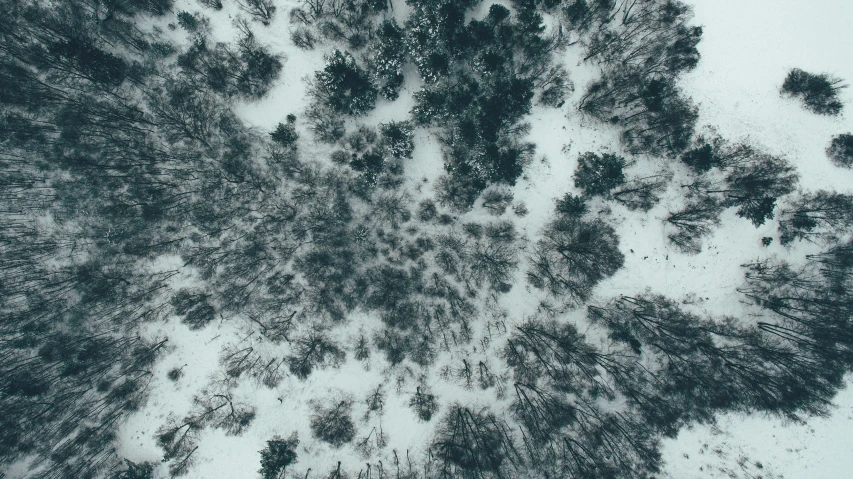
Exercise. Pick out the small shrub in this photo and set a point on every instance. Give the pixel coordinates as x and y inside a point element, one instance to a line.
<point>397,137</point>
<point>427,210</point>
<point>144,470</point>
<point>571,205</point>
<point>840,150</point>
<point>341,157</point>
<point>174,374</point>
<point>214,4</point>
<point>496,199</point>
<point>362,139</point>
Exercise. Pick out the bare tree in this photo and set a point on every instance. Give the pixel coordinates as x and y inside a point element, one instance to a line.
<point>573,256</point>
<point>822,217</point>
<point>313,350</point>
<point>643,193</point>
<point>261,10</point>
<point>693,222</point>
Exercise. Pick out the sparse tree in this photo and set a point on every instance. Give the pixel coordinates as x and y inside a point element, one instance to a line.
<point>424,403</point>
<point>494,262</point>
<point>311,351</point>
<point>715,152</point>
<point>261,10</point>
<point>693,222</point>
<point>643,193</point>
<point>496,199</point>
<point>194,307</point>
<point>474,444</point>
<point>327,126</point>
<point>654,115</point>
<point>303,38</point>
<point>560,355</point>
<point>819,217</point>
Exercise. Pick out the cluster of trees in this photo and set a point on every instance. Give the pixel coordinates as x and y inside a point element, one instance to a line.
<point>247,70</point>
<point>642,47</point>
<point>482,76</point>
<point>817,92</point>
<point>119,148</point>
<point>663,367</point>
<point>377,157</point>
<point>481,80</point>
<point>671,367</point>
<point>727,176</point>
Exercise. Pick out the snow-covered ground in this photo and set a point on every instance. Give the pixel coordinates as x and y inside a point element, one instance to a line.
<point>747,49</point>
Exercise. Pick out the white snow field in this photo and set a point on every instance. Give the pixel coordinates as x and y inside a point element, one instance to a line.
<point>747,48</point>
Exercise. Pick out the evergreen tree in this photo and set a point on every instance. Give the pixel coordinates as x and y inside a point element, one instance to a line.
<point>278,454</point>
<point>343,86</point>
